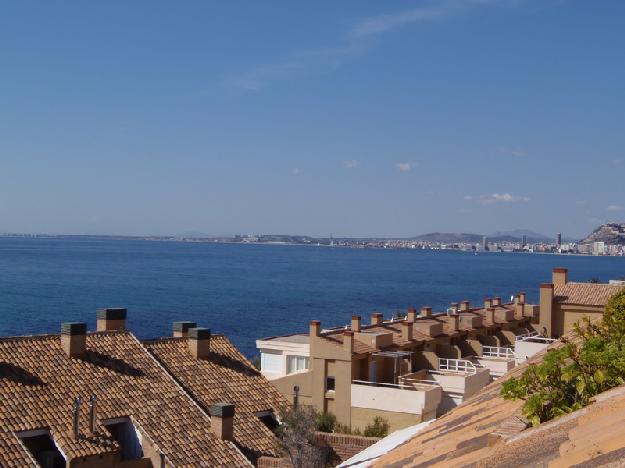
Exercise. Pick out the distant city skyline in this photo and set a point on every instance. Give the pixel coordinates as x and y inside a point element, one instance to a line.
<point>357,119</point>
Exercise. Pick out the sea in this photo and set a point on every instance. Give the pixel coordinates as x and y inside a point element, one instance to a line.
<point>251,291</point>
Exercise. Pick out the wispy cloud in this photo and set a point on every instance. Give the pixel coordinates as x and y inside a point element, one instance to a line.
<point>356,40</point>
<point>615,208</point>
<point>296,171</point>
<point>497,198</point>
<point>516,152</point>
<point>404,166</point>
<point>617,161</point>
<point>351,163</point>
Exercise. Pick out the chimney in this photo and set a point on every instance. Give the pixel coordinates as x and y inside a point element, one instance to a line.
<point>465,306</point>
<point>181,329</point>
<point>454,322</point>
<point>454,308</point>
<point>411,316</point>
<point>516,300</point>
<point>406,331</point>
<point>356,323</point>
<point>546,309</point>
<point>222,420</point>
<point>490,315</point>
<point>488,302</point>
<point>522,297</point>
<point>199,342</point>
<point>111,319</point>
<point>348,341</point>
<point>377,318</point>
<point>497,301</point>
<point>560,276</point>
<point>74,338</point>
<point>315,328</point>
<point>426,311</point>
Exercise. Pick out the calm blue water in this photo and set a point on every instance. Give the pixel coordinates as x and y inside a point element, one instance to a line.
<point>251,291</point>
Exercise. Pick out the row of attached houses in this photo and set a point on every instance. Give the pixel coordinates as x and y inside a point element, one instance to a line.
<point>417,368</point>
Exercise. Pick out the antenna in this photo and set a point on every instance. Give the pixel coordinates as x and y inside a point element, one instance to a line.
<point>76,416</point>
<point>92,413</point>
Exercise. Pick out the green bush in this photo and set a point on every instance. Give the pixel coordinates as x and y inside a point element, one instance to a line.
<point>379,428</point>
<point>571,375</point>
<point>326,422</point>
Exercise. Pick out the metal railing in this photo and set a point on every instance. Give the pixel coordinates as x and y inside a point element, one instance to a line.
<point>536,338</point>
<point>497,352</point>
<point>407,384</point>
<point>523,336</point>
<point>456,365</point>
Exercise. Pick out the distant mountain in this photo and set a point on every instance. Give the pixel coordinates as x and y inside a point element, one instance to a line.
<point>517,234</point>
<point>610,233</point>
<point>450,237</point>
<point>463,237</point>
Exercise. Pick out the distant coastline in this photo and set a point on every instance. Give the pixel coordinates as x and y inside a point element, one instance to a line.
<point>348,243</point>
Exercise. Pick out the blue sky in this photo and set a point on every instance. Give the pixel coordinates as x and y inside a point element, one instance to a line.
<point>357,118</point>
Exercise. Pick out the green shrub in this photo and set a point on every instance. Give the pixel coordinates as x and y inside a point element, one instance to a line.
<point>379,428</point>
<point>571,375</point>
<point>326,422</point>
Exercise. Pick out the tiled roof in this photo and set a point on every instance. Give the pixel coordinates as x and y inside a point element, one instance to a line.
<point>226,375</point>
<point>591,294</point>
<point>488,431</point>
<point>38,384</point>
<point>359,346</point>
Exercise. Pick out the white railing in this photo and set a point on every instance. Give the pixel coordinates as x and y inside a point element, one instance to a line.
<point>536,339</point>
<point>408,384</point>
<point>497,352</point>
<point>526,335</point>
<point>456,365</point>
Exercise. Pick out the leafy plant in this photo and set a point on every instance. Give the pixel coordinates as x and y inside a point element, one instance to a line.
<point>379,428</point>
<point>570,376</point>
<point>326,422</point>
<point>297,437</point>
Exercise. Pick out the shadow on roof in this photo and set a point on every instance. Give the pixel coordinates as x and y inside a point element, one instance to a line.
<point>116,365</point>
<point>19,375</point>
<point>235,365</point>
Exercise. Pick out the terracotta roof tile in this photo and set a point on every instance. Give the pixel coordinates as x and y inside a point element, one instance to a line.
<point>591,294</point>
<point>38,383</point>
<point>593,436</point>
<point>226,375</point>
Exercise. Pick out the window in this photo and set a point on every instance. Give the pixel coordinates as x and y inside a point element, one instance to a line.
<point>124,432</point>
<point>296,363</point>
<point>268,419</point>
<point>330,384</point>
<point>271,362</point>
<point>41,445</point>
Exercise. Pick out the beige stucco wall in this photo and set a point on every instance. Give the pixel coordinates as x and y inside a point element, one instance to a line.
<point>566,315</point>
<point>302,379</point>
<point>361,417</point>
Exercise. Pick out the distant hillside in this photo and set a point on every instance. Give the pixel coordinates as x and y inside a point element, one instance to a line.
<point>462,237</point>
<point>517,234</point>
<point>611,233</point>
<point>449,237</point>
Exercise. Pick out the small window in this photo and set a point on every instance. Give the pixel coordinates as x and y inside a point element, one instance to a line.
<point>268,419</point>
<point>296,363</point>
<point>330,384</point>
<point>124,432</point>
<point>271,362</point>
<point>41,445</point>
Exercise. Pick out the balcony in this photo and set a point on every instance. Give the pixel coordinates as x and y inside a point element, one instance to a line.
<point>459,379</point>
<point>528,345</point>
<point>412,395</point>
<point>498,360</point>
